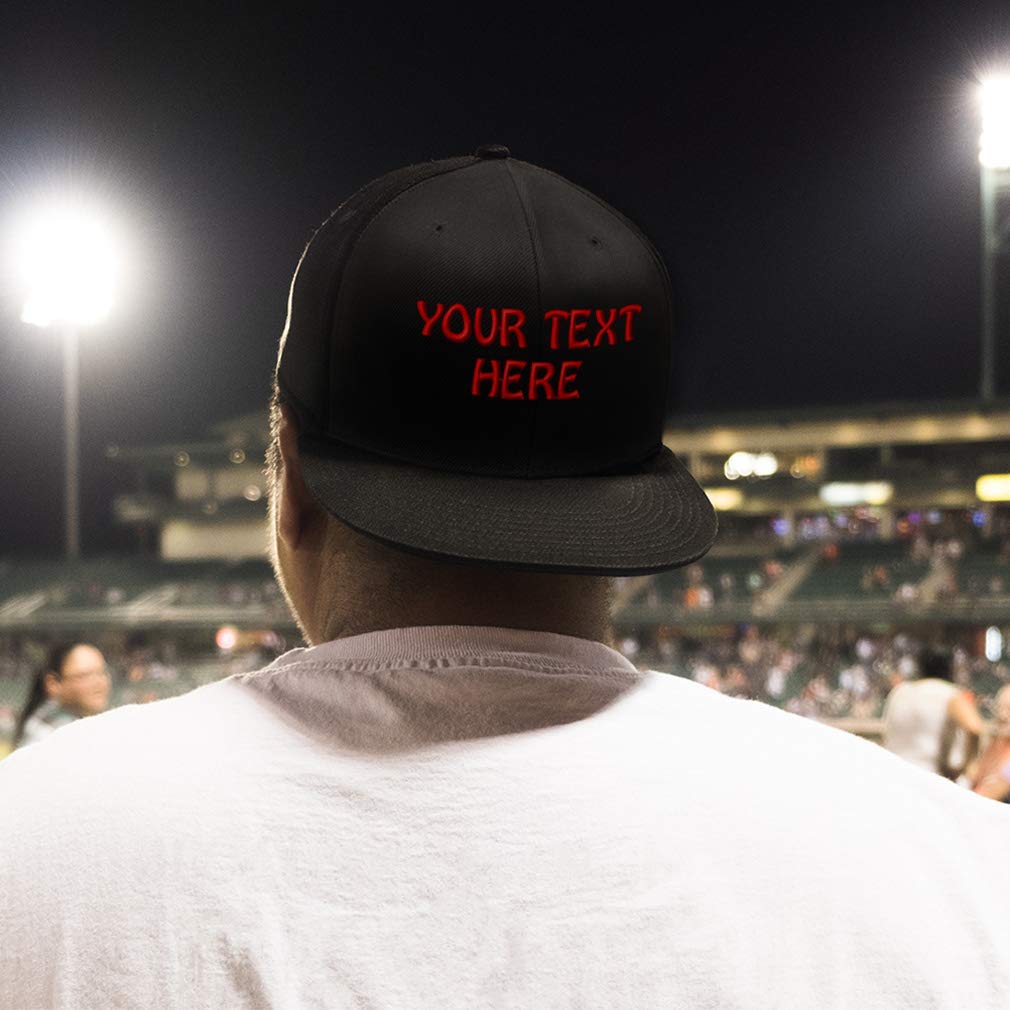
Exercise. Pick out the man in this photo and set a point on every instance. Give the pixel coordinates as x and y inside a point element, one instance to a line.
<point>459,794</point>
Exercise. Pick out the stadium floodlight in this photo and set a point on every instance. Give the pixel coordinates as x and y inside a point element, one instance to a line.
<point>994,143</point>
<point>842,495</point>
<point>993,487</point>
<point>65,257</point>
<point>68,260</point>
<point>994,158</point>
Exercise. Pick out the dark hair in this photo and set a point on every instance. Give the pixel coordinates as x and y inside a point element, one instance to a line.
<point>936,664</point>
<point>38,694</point>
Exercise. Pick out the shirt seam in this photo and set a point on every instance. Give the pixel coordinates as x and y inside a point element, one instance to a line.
<point>451,662</point>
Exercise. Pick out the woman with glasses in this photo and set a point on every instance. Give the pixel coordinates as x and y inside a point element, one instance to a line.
<point>74,683</point>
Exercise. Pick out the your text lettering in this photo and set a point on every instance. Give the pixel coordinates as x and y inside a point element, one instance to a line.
<point>500,327</point>
<point>503,327</point>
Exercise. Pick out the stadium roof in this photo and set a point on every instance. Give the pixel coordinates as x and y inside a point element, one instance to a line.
<point>841,426</point>
<point>834,426</point>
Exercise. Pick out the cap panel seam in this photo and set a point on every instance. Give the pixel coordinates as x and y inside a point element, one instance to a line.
<point>646,244</point>
<point>527,212</point>
<point>376,215</point>
<point>363,227</point>
<point>365,193</point>
<point>395,199</point>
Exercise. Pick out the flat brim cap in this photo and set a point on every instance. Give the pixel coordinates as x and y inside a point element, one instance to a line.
<point>478,353</point>
<point>635,523</point>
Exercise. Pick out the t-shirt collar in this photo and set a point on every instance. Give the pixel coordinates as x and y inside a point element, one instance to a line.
<point>441,641</point>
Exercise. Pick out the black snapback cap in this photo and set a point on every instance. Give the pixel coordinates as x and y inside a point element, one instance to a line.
<point>478,354</point>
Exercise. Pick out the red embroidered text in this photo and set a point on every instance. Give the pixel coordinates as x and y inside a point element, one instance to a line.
<point>508,380</point>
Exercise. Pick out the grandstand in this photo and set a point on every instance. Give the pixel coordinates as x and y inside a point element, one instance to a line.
<point>201,499</point>
<point>861,540</point>
<point>848,539</point>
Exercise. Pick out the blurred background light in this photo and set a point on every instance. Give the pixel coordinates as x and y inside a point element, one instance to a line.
<point>739,464</point>
<point>844,494</point>
<point>724,498</point>
<point>993,487</point>
<point>226,637</point>
<point>749,464</point>
<point>993,644</point>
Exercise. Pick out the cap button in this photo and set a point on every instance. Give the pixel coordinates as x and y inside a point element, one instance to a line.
<point>492,151</point>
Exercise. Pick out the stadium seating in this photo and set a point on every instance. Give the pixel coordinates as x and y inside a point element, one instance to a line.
<point>860,569</point>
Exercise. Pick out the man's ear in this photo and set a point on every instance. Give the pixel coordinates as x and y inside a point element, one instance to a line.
<point>294,503</point>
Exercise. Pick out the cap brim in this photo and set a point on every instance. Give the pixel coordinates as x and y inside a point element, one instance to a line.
<point>626,524</point>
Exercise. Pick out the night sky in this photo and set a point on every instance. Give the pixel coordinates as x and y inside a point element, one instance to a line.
<point>810,177</point>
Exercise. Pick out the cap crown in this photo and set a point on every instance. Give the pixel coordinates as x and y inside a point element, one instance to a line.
<point>481,315</point>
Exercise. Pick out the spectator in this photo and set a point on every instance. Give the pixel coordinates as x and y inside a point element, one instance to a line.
<point>990,774</point>
<point>74,684</point>
<point>922,719</point>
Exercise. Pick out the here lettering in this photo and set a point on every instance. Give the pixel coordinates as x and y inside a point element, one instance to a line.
<point>505,379</point>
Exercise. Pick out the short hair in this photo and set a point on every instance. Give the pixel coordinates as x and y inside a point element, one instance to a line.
<point>936,664</point>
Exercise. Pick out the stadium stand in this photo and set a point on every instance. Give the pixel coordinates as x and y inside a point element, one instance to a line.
<point>877,568</point>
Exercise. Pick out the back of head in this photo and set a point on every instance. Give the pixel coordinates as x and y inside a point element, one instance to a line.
<point>476,360</point>
<point>935,664</point>
<point>478,353</point>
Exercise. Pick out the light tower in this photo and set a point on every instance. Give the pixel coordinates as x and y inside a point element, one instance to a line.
<point>68,264</point>
<point>994,158</point>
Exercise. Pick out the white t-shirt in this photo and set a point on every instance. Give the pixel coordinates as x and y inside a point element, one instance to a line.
<point>461,817</point>
<point>915,714</point>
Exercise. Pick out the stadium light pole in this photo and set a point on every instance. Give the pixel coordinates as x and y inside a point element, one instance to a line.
<point>994,159</point>
<point>69,264</point>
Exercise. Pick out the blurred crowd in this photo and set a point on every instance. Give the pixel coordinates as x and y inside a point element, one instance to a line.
<point>700,586</point>
<point>960,567</point>
<point>113,585</point>
<point>821,671</point>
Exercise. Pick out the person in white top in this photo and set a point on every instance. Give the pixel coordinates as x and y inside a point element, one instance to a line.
<point>931,721</point>
<point>460,794</point>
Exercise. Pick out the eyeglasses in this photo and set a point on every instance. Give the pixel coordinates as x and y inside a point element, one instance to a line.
<point>73,678</point>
